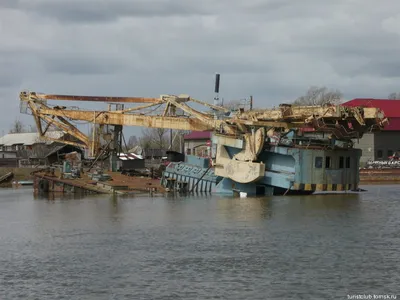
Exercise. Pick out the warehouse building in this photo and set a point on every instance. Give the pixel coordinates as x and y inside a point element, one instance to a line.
<point>383,144</point>
<point>29,149</point>
<point>198,143</point>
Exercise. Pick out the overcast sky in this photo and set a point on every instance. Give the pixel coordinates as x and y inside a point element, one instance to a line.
<point>272,49</point>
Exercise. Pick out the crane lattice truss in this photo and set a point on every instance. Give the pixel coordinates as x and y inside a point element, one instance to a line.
<point>342,122</point>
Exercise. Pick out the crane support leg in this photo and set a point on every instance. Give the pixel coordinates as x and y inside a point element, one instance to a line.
<point>116,148</point>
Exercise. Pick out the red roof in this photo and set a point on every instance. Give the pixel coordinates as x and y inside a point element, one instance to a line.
<point>391,109</point>
<point>198,135</point>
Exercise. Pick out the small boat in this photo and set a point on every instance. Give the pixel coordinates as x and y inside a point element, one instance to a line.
<point>22,183</point>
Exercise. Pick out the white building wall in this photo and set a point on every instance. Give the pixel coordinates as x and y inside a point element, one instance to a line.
<point>197,147</point>
<point>366,144</point>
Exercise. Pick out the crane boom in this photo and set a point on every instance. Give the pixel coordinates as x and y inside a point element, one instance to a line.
<point>42,96</point>
<point>117,118</point>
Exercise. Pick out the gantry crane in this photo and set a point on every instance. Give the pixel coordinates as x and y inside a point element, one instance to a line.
<point>246,130</point>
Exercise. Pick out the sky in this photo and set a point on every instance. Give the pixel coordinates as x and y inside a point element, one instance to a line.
<point>271,49</point>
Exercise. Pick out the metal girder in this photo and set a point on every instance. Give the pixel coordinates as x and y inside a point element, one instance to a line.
<point>65,142</point>
<point>219,108</point>
<point>66,128</point>
<point>26,96</point>
<point>48,125</point>
<point>139,107</point>
<point>302,113</point>
<point>205,119</point>
<point>113,118</point>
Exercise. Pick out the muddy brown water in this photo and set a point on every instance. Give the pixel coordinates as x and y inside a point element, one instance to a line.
<point>199,247</point>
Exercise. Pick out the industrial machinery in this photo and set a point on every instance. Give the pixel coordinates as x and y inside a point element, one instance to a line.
<point>287,149</point>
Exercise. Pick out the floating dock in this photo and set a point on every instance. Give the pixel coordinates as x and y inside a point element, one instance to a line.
<point>45,182</point>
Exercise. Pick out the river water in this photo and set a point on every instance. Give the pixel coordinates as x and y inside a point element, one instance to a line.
<point>208,247</point>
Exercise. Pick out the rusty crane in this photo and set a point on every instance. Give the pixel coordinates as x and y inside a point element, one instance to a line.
<point>246,130</point>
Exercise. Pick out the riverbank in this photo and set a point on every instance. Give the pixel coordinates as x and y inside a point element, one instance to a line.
<point>380,176</point>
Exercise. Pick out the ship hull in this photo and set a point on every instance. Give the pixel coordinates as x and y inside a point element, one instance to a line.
<point>288,171</point>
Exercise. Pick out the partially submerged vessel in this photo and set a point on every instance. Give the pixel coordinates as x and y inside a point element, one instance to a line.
<point>284,150</point>
<point>293,150</point>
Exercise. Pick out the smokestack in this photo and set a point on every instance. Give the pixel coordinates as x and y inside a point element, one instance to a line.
<point>216,90</point>
<point>217,76</point>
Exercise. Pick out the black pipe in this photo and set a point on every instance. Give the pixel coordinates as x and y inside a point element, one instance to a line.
<point>217,76</point>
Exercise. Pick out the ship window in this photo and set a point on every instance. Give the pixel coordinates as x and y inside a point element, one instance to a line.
<point>379,154</point>
<point>327,162</point>
<point>347,162</point>
<point>341,162</point>
<point>318,162</point>
<point>390,152</point>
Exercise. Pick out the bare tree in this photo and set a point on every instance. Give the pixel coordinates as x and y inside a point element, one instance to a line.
<point>178,140</point>
<point>161,139</point>
<point>132,142</point>
<point>154,138</point>
<point>320,96</point>
<point>394,96</point>
<point>232,105</point>
<point>145,142</point>
<point>17,127</point>
<point>32,128</point>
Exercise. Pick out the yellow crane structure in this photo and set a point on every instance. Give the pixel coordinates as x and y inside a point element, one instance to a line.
<point>244,130</point>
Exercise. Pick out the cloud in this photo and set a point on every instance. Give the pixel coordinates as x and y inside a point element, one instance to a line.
<point>82,65</point>
<point>107,11</point>
<point>271,49</point>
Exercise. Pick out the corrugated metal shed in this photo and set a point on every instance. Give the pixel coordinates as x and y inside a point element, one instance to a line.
<point>154,152</point>
<point>129,156</point>
<point>29,138</point>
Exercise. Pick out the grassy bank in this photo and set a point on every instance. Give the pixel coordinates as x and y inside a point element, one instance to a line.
<point>19,174</point>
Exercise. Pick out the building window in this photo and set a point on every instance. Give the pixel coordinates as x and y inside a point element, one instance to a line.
<point>341,162</point>
<point>347,162</point>
<point>379,154</point>
<point>327,162</point>
<point>390,153</point>
<point>318,162</point>
<point>188,151</point>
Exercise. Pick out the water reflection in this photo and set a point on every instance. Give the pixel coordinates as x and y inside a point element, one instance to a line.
<point>244,209</point>
<point>53,196</point>
<point>330,201</point>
